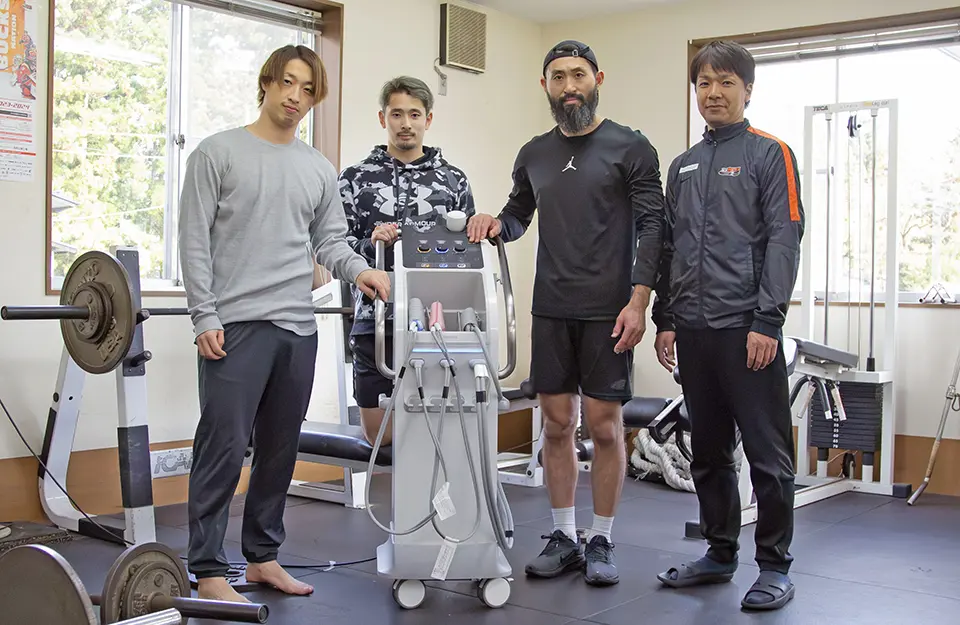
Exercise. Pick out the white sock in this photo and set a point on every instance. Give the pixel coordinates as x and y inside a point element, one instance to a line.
<point>565,520</point>
<point>602,526</point>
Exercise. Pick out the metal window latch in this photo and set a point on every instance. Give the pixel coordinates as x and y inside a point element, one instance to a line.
<point>180,140</point>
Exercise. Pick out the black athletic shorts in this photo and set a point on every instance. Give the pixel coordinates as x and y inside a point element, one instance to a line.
<point>572,355</point>
<point>368,382</point>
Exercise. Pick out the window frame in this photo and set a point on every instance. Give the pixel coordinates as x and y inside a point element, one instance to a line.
<point>326,121</point>
<point>835,29</point>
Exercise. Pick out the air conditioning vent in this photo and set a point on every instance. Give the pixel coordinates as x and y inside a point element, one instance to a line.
<point>463,38</point>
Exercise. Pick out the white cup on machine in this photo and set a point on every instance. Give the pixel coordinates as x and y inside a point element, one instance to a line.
<point>456,221</point>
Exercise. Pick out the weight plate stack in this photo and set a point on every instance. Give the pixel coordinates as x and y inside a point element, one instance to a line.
<point>863,403</point>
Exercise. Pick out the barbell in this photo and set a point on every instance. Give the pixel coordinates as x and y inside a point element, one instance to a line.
<point>147,585</point>
<point>97,315</point>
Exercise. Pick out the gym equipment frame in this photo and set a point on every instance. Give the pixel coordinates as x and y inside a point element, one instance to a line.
<point>101,322</point>
<point>857,380</point>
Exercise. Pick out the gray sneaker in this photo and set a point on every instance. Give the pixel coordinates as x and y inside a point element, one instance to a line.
<point>601,567</point>
<point>559,556</point>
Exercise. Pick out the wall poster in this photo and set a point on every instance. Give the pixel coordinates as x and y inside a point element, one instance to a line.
<point>18,90</point>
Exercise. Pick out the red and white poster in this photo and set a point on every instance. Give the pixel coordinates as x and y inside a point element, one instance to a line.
<point>18,90</point>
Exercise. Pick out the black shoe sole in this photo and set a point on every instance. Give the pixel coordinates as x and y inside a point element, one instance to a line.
<point>602,581</point>
<point>570,566</point>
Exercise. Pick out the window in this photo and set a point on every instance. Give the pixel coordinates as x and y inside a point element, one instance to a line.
<point>137,84</point>
<point>912,65</point>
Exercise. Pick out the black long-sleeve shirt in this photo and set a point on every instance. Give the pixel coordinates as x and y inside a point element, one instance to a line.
<point>601,220</point>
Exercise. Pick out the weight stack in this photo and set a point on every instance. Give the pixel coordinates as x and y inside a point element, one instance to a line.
<point>863,403</point>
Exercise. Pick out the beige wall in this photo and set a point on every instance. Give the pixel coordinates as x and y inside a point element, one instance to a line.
<point>480,125</point>
<point>644,57</point>
<point>469,125</point>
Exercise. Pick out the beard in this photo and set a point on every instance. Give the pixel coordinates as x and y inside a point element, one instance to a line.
<point>406,143</point>
<point>575,118</point>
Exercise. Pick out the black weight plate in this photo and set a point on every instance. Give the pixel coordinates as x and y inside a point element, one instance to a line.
<point>38,586</point>
<point>122,578</point>
<point>106,271</point>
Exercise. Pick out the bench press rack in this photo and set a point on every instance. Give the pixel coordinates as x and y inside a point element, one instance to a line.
<point>101,319</point>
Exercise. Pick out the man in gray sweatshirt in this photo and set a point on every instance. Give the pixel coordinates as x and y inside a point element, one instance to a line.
<point>258,209</point>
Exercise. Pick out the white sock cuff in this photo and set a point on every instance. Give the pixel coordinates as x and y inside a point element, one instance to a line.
<point>565,520</point>
<point>602,526</point>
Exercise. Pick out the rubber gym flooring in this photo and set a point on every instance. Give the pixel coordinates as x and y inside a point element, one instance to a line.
<point>858,559</point>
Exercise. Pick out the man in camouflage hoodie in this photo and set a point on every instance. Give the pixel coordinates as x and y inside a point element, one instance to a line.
<point>402,184</point>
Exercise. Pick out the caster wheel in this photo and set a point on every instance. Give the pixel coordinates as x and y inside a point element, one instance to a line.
<point>409,593</point>
<point>494,592</point>
<point>849,464</point>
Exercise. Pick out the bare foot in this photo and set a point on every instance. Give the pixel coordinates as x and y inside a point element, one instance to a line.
<point>272,574</point>
<point>217,589</point>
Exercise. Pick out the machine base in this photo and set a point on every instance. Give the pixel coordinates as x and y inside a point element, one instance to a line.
<point>471,561</point>
<point>411,565</point>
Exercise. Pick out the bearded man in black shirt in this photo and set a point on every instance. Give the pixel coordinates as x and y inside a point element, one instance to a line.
<point>597,187</point>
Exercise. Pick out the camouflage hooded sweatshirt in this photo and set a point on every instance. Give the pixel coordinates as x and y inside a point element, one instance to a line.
<point>380,190</point>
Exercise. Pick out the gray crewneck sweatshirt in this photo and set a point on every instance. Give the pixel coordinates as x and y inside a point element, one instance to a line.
<point>253,217</point>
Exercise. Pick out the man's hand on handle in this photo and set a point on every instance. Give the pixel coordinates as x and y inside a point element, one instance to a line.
<point>374,283</point>
<point>664,345</point>
<point>388,233</point>
<point>210,345</point>
<point>761,350</point>
<point>482,226</point>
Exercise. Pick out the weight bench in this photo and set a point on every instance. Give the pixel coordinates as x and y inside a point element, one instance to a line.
<point>340,445</point>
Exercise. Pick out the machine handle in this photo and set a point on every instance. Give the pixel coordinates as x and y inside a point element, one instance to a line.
<point>380,324</point>
<point>508,303</point>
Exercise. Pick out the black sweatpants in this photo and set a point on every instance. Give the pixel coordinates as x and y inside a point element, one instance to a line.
<point>722,394</point>
<point>263,385</point>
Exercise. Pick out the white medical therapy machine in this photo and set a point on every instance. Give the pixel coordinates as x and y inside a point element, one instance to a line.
<point>451,520</point>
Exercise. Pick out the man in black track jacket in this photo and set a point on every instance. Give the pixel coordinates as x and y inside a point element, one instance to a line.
<point>729,264</point>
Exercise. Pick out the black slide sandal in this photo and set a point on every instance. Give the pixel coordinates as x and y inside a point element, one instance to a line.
<point>697,573</point>
<point>772,584</point>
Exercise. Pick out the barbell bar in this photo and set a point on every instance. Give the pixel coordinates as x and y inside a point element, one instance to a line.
<point>188,607</point>
<point>30,313</point>
<point>52,312</point>
<point>97,314</point>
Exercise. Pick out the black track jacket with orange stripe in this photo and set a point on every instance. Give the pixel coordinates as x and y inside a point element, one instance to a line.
<point>731,253</point>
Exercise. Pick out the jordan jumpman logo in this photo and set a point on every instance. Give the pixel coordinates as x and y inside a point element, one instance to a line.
<point>569,165</point>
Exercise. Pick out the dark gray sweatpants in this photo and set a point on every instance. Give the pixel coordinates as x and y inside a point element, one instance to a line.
<point>263,385</point>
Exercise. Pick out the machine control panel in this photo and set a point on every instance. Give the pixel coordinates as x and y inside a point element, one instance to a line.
<point>445,246</point>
